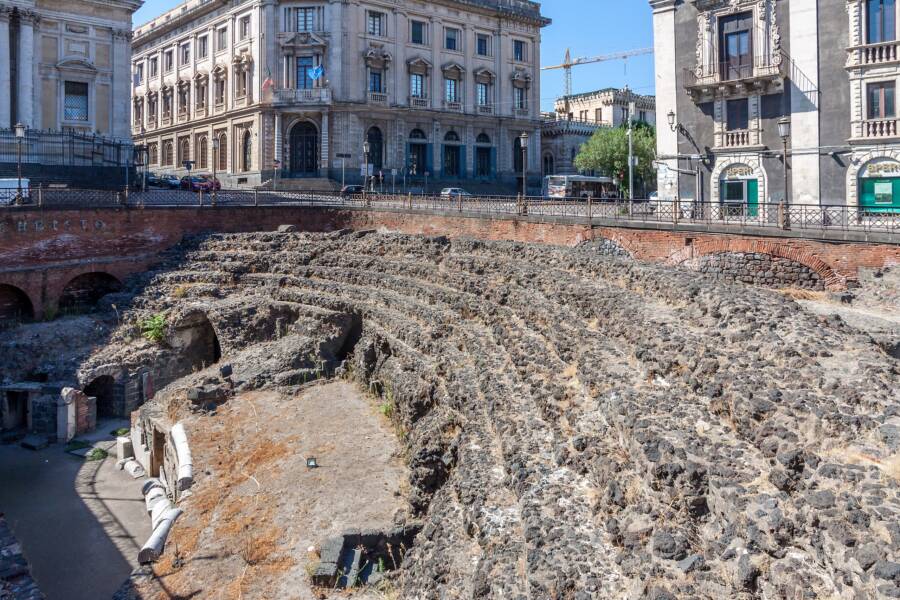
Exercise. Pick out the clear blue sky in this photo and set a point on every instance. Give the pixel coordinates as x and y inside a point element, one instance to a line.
<point>588,27</point>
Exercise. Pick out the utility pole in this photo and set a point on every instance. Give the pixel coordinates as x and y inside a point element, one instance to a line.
<point>630,152</point>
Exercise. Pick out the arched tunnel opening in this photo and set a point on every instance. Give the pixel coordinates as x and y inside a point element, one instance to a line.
<point>15,306</point>
<point>197,342</point>
<point>103,388</point>
<point>83,292</point>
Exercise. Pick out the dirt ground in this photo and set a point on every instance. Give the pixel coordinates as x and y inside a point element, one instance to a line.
<point>256,508</point>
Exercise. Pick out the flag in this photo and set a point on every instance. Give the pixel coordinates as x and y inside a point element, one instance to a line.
<point>268,83</point>
<point>316,72</point>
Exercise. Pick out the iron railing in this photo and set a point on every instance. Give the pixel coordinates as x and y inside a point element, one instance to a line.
<point>797,217</point>
<point>63,148</point>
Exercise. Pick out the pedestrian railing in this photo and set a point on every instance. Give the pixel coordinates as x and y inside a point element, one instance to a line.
<point>805,217</point>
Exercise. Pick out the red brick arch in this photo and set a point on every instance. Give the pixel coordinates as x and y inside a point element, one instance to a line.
<point>729,245</point>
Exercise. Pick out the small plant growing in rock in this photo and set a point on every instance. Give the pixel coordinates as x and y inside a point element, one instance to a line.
<point>386,409</point>
<point>180,292</point>
<point>154,328</point>
<point>97,454</point>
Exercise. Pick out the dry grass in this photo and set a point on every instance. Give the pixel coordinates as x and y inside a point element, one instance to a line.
<point>802,294</point>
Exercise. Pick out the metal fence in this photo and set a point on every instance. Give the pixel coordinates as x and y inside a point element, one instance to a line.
<point>797,217</point>
<point>63,148</point>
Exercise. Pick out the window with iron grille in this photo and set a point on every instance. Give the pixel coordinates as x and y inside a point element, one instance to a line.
<point>75,104</point>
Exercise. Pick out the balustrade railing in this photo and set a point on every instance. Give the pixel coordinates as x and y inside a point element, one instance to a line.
<point>736,139</point>
<point>880,128</point>
<point>876,54</point>
<point>378,98</point>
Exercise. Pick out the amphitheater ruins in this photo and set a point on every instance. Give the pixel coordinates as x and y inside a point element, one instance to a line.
<point>574,423</point>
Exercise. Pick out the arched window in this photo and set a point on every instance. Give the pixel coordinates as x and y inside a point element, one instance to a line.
<point>548,164</point>
<point>184,150</point>
<point>202,152</point>
<point>417,134</point>
<point>167,154</point>
<point>222,152</point>
<point>153,151</point>
<point>247,151</point>
<point>483,138</point>
<point>376,148</point>
<point>451,136</point>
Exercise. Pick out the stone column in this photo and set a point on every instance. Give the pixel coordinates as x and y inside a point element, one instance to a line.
<point>5,84</point>
<point>26,68</point>
<point>121,86</point>
<point>325,145</point>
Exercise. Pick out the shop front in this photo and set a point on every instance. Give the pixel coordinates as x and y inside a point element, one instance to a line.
<point>739,191</point>
<point>879,187</point>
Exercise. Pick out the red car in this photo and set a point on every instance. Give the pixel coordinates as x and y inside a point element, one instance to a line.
<point>214,183</point>
<point>194,183</point>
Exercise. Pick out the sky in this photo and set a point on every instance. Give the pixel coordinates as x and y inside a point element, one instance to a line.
<point>588,27</point>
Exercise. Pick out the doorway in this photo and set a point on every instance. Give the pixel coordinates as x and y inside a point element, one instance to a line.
<point>304,150</point>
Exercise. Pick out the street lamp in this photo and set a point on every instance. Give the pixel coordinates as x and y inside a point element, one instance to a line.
<point>523,139</point>
<point>20,137</point>
<point>366,149</point>
<point>671,117</point>
<point>784,131</point>
<point>215,163</point>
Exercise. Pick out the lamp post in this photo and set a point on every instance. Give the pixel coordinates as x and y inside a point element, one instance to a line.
<point>784,131</point>
<point>523,139</point>
<point>671,117</point>
<point>20,137</point>
<point>215,161</point>
<point>366,149</point>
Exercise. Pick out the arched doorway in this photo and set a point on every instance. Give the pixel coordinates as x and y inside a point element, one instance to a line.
<point>376,148</point>
<point>879,187</point>
<point>83,292</point>
<point>418,153</point>
<point>196,342</point>
<point>103,389</point>
<point>15,306</point>
<point>453,158</point>
<point>739,191</point>
<point>247,151</point>
<point>304,150</point>
<point>484,156</point>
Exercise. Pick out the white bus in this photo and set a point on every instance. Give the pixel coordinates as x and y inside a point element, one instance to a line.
<point>580,186</point>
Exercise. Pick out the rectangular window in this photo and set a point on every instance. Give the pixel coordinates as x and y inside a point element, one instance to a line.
<point>417,85</point>
<point>520,98</point>
<point>738,115</point>
<point>884,192</point>
<point>451,88</point>
<point>881,100</point>
<point>220,91</point>
<point>154,67</point>
<point>452,39</point>
<point>481,94</point>
<point>168,61</point>
<point>139,74</point>
<point>75,103</point>
<point>202,46</point>
<point>375,81</point>
<point>304,65</point>
<point>184,54</point>
<point>221,38</point>
<point>483,44</point>
<point>376,24</point>
<point>417,32</point>
<point>735,46</point>
<point>244,28</point>
<point>520,51</point>
<point>306,19</point>
<point>881,22</point>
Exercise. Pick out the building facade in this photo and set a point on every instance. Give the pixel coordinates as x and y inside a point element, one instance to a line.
<point>577,117</point>
<point>728,71</point>
<point>65,66</point>
<point>265,92</point>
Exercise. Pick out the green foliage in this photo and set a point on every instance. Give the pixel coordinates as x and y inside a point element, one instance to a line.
<point>76,445</point>
<point>607,152</point>
<point>97,454</point>
<point>122,431</point>
<point>386,409</point>
<point>154,328</point>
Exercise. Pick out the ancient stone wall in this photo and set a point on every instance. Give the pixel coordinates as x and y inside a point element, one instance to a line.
<point>758,269</point>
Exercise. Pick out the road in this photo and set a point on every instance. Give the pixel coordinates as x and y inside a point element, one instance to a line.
<point>80,523</point>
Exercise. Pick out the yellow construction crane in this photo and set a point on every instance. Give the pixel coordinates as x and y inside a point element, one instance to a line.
<point>569,63</point>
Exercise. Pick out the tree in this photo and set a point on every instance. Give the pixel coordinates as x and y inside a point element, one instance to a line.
<point>607,152</point>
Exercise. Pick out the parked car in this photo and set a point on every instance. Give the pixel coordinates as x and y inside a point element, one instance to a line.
<point>169,181</point>
<point>351,190</point>
<point>454,193</point>
<point>195,183</point>
<point>214,184</point>
<point>153,179</point>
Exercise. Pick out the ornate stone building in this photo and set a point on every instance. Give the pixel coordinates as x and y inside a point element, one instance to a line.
<point>730,70</point>
<point>65,65</point>
<point>292,89</point>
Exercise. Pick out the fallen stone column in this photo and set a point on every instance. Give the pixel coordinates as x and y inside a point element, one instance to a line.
<point>185,461</point>
<point>153,549</point>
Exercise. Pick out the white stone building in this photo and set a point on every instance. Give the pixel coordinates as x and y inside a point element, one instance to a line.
<point>607,107</point>
<point>65,65</point>
<point>443,87</point>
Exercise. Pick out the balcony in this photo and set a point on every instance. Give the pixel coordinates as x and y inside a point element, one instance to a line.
<point>453,106</point>
<point>183,114</point>
<point>522,112</point>
<point>485,109</point>
<point>874,54</point>
<point>166,119</point>
<point>879,129</point>
<point>302,96</point>
<point>201,111</point>
<point>151,123</point>
<point>418,102</point>
<point>378,98</point>
<point>722,80</point>
<point>736,139</point>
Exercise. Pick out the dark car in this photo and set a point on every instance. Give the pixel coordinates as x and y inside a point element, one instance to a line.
<point>152,179</point>
<point>195,183</point>
<point>169,181</point>
<point>211,182</point>
<point>351,190</point>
